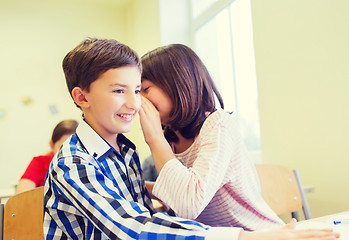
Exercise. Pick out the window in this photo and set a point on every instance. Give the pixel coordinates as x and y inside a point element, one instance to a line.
<point>220,32</point>
<point>199,6</point>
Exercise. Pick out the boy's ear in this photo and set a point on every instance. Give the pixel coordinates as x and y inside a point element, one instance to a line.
<point>79,97</point>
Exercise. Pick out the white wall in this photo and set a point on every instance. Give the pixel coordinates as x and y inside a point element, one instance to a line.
<point>35,36</point>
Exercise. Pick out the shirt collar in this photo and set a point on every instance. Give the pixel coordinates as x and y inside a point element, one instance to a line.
<point>95,145</point>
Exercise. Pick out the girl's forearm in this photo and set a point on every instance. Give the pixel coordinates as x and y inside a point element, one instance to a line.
<point>161,152</point>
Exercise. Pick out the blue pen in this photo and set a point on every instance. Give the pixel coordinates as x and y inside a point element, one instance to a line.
<point>343,221</point>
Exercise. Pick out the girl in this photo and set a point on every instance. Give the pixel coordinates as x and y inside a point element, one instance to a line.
<point>204,171</point>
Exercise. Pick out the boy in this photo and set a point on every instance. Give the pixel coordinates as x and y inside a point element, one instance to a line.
<point>94,187</point>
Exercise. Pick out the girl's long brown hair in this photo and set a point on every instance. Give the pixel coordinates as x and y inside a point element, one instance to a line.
<point>180,73</point>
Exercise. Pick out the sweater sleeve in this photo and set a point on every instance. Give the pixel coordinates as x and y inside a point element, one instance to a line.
<point>188,190</point>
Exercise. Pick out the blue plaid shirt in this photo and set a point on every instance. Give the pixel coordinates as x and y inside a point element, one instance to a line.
<point>94,192</point>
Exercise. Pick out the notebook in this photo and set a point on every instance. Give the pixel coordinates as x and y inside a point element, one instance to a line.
<point>339,223</point>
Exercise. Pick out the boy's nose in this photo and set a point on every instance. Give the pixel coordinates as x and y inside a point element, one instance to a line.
<point>133,101</point>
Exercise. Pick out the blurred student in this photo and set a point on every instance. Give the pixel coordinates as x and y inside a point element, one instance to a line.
<point>149,170</point>
<point>204,170</point>
<point>34,175</point>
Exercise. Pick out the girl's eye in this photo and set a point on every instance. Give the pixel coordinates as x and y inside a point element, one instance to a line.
<point>138,91</point>
<point>145,89</point>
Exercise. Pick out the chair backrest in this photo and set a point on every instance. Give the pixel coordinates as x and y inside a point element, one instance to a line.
<point>23,215</point>
<point>282,189</point>
<point>1,220</point>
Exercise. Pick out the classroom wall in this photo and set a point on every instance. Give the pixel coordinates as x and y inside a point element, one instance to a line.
<point>143,27</point>
<point>301,58</point>
<point>302,64</point>
<point>35,36</point>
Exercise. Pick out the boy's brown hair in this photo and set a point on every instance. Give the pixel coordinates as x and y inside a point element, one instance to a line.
<point>92,57</point>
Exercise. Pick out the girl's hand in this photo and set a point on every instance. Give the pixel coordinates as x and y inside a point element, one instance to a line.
<point>150,121</point>
<point>288,232</point>
<point>153,134</point>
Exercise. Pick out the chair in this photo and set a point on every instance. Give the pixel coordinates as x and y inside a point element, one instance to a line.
<point>23,215</point>
<point>282,190</point>
<point>1,220</point>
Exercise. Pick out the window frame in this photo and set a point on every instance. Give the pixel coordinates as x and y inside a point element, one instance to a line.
<point>182,29</point>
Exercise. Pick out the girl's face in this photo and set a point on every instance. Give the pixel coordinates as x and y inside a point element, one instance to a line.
<point>158,98</point>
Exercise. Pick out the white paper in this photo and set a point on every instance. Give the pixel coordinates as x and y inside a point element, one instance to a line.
<point>343,229</point>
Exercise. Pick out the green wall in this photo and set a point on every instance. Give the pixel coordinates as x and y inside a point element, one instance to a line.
<point>35,36</point>
<point>303,80</point>
<point>302,71</point>
<point>143,27</point>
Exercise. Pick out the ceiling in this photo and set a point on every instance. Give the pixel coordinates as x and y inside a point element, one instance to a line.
<point>113,2</point>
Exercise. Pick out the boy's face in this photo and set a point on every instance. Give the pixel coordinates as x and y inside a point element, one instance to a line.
<point>113,101</point>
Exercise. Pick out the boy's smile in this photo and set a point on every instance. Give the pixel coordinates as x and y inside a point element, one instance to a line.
<point>112,102</point>
<point>126,117</point>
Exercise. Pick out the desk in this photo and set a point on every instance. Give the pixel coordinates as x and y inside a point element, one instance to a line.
<point>327,222</point>
<point>6,193</point>
<point>327,218</point>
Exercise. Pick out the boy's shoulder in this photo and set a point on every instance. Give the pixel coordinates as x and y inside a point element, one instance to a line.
<point>73,148</point>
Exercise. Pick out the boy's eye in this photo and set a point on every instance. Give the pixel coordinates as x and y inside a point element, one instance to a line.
<point>119,91</point>
<point>138,91</point>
